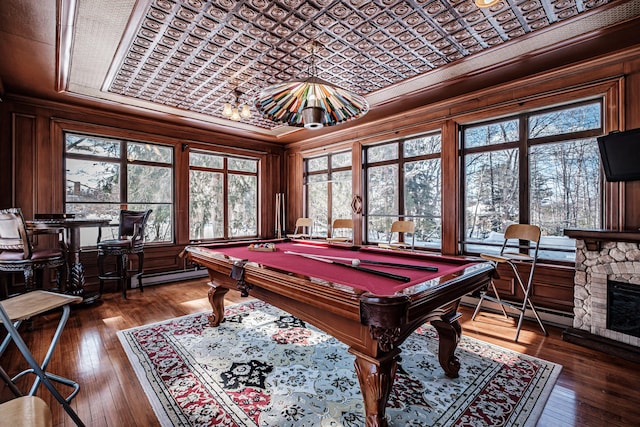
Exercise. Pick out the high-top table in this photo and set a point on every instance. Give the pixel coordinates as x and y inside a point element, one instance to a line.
<point>71,226</point>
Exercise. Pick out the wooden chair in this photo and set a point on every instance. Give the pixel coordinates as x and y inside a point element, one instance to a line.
<point>18,254</point>
<point>303,230</point>
<point>341,230</point>
<point>401,228</point>
<point>25,411</point>
<point>524,234</point>
<point>15,310</point>
<point>130,241</point>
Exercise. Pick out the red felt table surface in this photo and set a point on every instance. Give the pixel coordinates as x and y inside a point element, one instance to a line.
<point>372,283</point>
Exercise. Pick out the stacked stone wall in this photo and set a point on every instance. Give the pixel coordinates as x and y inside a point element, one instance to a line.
<point>619,261</point>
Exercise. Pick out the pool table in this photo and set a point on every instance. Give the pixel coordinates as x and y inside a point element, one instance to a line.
<point>372,312</point>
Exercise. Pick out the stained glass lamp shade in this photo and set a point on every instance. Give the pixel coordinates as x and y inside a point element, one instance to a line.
<point>312,103</point>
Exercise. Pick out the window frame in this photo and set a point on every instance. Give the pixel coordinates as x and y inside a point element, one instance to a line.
<point>328,171</point>
<point>123,162</point>
<point>523,146</point>
<point>401,160</point>
<point>226,172</point>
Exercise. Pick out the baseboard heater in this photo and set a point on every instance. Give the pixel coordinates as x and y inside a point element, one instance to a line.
<point>170,276</point>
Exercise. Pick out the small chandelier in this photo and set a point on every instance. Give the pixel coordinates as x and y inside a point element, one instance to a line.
<point>312,103</point>
<point>236,111</point>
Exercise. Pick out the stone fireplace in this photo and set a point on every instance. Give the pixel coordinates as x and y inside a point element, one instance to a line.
<point>604,257</point>
<point>596,264</point>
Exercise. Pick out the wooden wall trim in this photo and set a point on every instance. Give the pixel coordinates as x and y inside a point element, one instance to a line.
<point>294,193</point>
<point>181,187</point>
<point>24,187</point>
<point>631,112</point>
<point>357,190</point>
<point>6,158</point>
<point>164,124</point>
<point>271,173</point>
<point>450,207</point>
<point>613,192</point>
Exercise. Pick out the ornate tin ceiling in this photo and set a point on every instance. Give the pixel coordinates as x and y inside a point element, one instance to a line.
<point>193,54</point>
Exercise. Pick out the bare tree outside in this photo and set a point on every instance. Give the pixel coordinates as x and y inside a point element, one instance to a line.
<point>415,177</point>
<point>328,190</point>
<point>563,183</point>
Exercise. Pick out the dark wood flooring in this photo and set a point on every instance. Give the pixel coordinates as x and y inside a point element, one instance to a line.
<point>594,389</point>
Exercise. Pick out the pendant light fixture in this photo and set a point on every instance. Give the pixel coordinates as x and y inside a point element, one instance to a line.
<point>312,103</point>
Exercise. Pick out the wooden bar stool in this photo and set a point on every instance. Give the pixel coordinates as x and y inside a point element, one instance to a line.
<point>130,241</point>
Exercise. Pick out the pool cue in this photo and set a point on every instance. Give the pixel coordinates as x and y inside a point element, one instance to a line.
<point>355,267</point>
<point>393,264</point>
<point>389,264</point>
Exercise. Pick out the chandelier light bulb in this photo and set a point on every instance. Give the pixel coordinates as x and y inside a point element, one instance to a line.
<point>227,110</point>
<point>485,3</point>
<point>245,111</point>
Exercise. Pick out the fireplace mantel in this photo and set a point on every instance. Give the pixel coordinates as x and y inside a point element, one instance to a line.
<point>593,238</point>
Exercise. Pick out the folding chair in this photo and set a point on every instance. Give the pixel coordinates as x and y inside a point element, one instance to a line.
<point>521,232</point>
<point>25,306</point>
<point>302,225</point>
<point>25,411</point>
<point>341,230</point>
<point>401,228</point>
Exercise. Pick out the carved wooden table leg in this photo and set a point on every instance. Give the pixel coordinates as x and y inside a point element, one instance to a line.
<point>449,334</point>
<point>376,380</point>
<point>216,299</point>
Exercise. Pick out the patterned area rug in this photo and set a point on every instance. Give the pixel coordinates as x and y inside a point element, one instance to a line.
<point>264,367</point>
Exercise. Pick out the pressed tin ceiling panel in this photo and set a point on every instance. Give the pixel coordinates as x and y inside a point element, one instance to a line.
<point>192,54</point>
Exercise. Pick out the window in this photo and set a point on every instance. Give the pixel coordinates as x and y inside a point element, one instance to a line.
<point>328,190</point>
<point>218,180</point>
<point>104,175</point>
<point>541,168</point>
<point>404,181</point>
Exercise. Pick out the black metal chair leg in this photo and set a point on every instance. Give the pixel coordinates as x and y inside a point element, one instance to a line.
<point>140,269</point>
<point>101,272</point>
<point>124,274</point>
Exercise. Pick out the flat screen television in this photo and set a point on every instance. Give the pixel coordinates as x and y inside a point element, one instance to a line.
<point>620,154</point>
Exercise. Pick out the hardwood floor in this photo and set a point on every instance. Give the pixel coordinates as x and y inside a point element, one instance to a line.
<point>594,389</point>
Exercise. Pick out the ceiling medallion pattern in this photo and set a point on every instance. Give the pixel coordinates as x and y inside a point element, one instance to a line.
<point>193,54</point>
